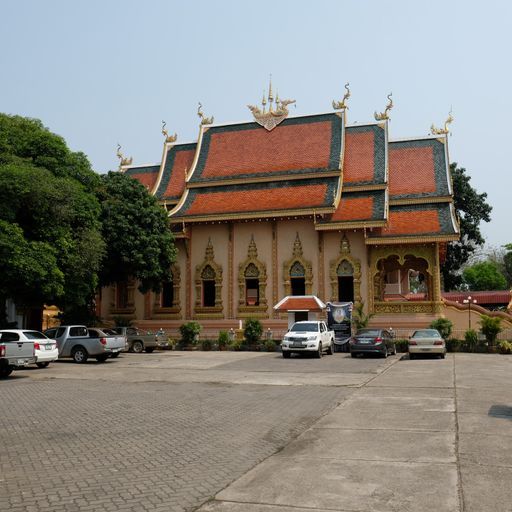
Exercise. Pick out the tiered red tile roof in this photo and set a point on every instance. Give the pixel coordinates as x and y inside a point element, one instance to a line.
<point>311,166</point>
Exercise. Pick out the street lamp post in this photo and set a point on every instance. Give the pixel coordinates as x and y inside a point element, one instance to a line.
<point>469,301</point>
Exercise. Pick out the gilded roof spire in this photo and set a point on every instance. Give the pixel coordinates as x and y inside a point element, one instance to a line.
<point>385,115</point>
<point>123,161</point>
<point>271,118</point>
<point>165,133</point>
<point>342,105</point>
<point>445,130</point>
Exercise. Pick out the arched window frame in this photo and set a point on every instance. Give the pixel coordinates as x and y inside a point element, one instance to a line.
<point>345,255</point>
<point>173,312</point>
<point>297,257</point>
<point>208,311</point>
<point>261,310</point>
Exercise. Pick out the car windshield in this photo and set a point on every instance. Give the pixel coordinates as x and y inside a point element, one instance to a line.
<point>426,333</point>
<point>34,335</point>
<point>305,327</point>
<point>368,332</point>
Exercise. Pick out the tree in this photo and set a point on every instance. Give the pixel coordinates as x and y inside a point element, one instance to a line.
<point>50,212</point>
<point>139,241</point>
<point>507,264</point>
<point>253,331</point>
<point>490,328</point>
<point>471,208</point>
<point>444,326</point>
<point>484,276</point>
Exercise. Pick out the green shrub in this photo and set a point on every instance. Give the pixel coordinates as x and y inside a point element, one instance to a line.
<point>270,345</point>
<point>206,344</point>
<point>253,331</point>
<point>223,340</point>
<point>471,340</point>
<point>402,345</point>
<point>444,326</point>
<point>490,327</point>
<point>360,319</point>
<point>189,333</point>
<point>453,345</point>
<point>505,347</point>
<point>235,345</point>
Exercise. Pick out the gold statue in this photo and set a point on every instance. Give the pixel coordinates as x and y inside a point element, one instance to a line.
<point>204,119</point>
<point>342,105</point>
<point>165,133</point>
<point>445,130</point>
<point>269,120</point>
<point>385,115</point>
<point>122,160</point>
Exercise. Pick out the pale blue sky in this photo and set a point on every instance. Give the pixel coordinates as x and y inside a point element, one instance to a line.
<point>98,71</point>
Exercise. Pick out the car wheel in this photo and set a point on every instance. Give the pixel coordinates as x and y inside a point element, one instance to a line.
<point>5,371</point>
<point>102,358</point>
<point>394,350</point>
<point>319,354</point>
<point>353,354</point>
<point>286,355</point>
<point>114,355</point>
<point>138,346</point>
<point>79,355</point>
<point>412,356</point>
<point>150,349</point>
<point>330,350</point>
<point>43,365</point>
<point>442,356</point>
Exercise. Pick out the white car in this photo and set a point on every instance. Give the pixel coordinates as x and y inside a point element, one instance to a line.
<point>45,349</point>
<point>308,336</point>
<point>426,341</point>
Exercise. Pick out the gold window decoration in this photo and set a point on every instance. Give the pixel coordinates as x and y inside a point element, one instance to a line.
<point>208,279</point>
<point>294,266</point>
<point>252,284</point>
<point>345,265</point>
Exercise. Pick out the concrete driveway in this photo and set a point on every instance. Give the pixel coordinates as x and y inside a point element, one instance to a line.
<point>230,432</point>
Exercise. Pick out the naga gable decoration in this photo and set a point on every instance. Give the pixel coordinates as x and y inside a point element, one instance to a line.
<point>271,118</point>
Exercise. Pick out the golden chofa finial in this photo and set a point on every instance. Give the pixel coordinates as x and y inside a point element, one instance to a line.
<point>122,160</point>
<point>271,118</point>
<point>165,133</point>
<point>204,119</point>
<point>445,130</point>
<point>385,115</point>
<point>342,105</point>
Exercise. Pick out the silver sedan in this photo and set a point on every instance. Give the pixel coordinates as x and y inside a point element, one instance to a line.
<point>426,341</point>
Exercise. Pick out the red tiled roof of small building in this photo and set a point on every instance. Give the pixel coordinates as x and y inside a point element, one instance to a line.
<point>300,303</point>
<point>481,297</point>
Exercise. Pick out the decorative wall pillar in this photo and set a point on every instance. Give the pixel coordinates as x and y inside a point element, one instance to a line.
<point>275,270</point>
<point>230,269</point>
<point>321,268</point>
<point>188,277</point>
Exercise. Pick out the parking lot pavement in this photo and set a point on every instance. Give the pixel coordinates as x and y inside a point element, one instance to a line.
<point>156,432</point>
<point>422,435</point>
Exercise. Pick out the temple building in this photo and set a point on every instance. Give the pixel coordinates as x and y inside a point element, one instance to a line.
<point>304,205</point>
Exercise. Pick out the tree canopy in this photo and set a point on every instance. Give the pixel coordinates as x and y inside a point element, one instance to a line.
<point>484,275</point>
<point>64,229</point>
<point>471,209</point>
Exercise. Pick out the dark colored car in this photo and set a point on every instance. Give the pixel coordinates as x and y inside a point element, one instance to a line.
<point>372,341</point>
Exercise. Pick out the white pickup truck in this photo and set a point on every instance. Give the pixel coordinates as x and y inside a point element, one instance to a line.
<point>15,353</point>
<point>308,336</point>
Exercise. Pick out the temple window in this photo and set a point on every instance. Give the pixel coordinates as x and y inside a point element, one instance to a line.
<point>122,295</point>
<point>208,279</point>
<point>298,279</point>
<point>252,285</point>
<point>167,295</point>
<point>345,273</point>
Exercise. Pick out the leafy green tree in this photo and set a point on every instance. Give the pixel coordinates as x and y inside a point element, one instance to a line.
<point>360,319</point>
<point>484,276</point>
<point>444,326</point>
<point>253,331</point>
<point>471,208</point>
<point>507,264</point>
<point>139,241</point>
<point>490,328</point>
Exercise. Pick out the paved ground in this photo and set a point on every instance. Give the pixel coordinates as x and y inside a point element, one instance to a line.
<point>257,433</point>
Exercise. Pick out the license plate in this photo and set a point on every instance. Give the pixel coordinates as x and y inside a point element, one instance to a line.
<point>48,347</point>
<point>364,341</point>
<point>22,362</point>
<point>297,345</point>
<point>425,349</point>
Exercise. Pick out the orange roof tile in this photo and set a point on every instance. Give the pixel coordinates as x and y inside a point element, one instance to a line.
<point>253,199</point>
<point>146,175</point>
<point>182,162</point>
<point>357,208</point>
<point>412,222</point>
<point>411,170</point>
<point>358,164</point>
